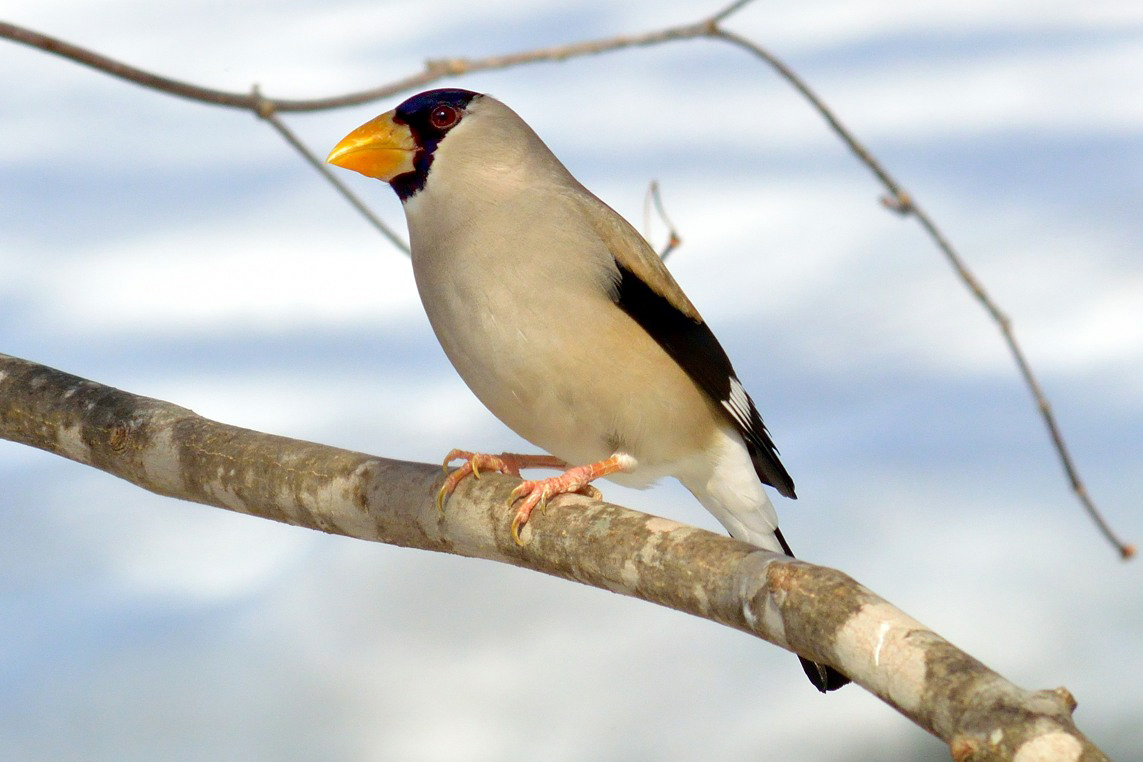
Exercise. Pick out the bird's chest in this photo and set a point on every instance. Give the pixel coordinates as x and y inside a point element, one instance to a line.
<point>499,318</point>
<point>483,318</point>
<point>513,321</point>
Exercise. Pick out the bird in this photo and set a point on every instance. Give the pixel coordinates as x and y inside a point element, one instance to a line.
<point>565,323</point>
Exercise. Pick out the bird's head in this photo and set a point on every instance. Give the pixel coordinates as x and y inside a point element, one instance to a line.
<point>474,145</point>
<point>399,146</point>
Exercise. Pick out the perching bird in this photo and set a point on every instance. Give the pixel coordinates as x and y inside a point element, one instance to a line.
<point>564,322</point>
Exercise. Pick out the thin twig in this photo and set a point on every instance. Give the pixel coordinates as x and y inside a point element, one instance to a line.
<point>655,200</point>
<point>901,202</point>
<point>434,70</point>
<point>265,110</point>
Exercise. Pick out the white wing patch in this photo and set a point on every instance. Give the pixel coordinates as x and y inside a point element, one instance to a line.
<point>738,405</point>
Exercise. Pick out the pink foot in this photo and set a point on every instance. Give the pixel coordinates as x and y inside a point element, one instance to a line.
<point>535,494</point>
<point>504,463</point>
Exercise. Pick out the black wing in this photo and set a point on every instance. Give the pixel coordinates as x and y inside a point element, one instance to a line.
<point>692,345</point>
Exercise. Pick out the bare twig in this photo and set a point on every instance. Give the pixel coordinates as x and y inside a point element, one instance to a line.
<point>434,69</point>
<point>265,110</point>
<point>901,202</point>
<point>654,200</point>
<point>812,610</point>
<point>437,69</point>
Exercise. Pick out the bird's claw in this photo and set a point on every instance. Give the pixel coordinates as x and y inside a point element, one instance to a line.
<point>473,461</point>
<point>591,491</point>
<point>535,494</point>
<point>532,500</point>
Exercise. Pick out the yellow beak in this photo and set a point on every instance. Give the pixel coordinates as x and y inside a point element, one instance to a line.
<point>379,148</point>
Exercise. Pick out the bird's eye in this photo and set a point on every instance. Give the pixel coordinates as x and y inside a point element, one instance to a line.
<point>443,116</point>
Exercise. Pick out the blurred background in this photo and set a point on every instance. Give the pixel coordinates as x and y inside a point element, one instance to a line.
<point>185,252</point>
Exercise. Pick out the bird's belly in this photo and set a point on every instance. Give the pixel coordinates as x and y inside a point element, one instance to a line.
<point>524,380</point>
<point>571,387</point>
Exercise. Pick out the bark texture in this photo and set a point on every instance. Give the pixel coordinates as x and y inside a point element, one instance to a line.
<point>814,611</point>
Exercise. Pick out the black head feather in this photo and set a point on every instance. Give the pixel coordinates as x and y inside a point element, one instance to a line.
<point>429,116</point>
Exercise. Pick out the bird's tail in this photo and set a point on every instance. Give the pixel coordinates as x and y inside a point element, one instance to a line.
<point>758,532</point>
<point>824,677</point>
<point>728,487</point>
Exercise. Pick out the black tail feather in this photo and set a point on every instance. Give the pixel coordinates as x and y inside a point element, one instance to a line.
<point>782,541</point>
<point>824,677</point>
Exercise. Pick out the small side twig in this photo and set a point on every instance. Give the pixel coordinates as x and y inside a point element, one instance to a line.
<point>654,200</point>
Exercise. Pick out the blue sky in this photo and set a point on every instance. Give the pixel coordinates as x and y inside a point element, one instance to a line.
<point>184,252</point>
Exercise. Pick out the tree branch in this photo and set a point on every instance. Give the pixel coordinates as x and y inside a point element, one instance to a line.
<point>434,69</point>
<point>812,610</point>
<point>898,200</point>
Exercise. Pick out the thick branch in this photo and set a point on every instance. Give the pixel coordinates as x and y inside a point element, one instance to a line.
<point>812,610</point>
